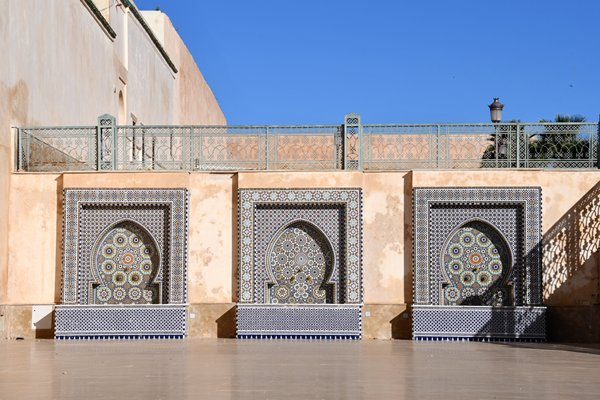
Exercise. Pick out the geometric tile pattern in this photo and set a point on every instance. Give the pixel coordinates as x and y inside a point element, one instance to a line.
<point>147,321</point>
<point>513,213</point>
<point>125,262</point>
<point>322,321</point>
<point>299,265</point>
<point>265,213</point>
<point>327,224</point>
<point>90,213</point>
<point>479,322</point>
<point>504,220</point>
<point>477,263</point>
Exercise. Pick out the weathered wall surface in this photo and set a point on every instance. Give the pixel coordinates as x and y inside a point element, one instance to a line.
<point>196,103</point>
<point>571,209</point>
<point>71,72</point>
<point>5,152</point>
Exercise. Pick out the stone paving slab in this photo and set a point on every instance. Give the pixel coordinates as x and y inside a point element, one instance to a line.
<point>278,369</point>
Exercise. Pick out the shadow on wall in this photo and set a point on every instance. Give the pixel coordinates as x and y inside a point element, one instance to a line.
<point>59,240</point>
<point>571,275</point>
<point>571,264</point>
<point>226,324</point>
<point>571,254</point>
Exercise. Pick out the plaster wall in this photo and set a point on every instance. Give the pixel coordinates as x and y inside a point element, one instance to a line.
<point>69,73</point>
<point>35,223</point>
<point>5,153</point>
<point>149,77</point>
<point>196,104</point>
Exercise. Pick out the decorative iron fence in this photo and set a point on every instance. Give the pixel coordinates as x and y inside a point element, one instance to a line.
<point>349,146</point>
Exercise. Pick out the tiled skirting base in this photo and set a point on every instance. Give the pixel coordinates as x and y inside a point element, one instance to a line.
<point>324,321</point>
<point>156,321</point>
<point>479,322</point>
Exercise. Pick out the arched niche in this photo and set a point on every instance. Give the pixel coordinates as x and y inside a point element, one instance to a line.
<point>476,263</point>
<point>125,263</point>
<point>300,263</point>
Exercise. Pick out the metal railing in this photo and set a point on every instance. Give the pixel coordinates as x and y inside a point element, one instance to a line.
<point>349,146</point>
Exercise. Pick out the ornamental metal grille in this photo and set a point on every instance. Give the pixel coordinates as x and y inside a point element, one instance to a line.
<point>348,146</point>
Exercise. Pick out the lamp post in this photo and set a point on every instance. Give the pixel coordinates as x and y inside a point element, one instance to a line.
<point>496,116</point>
<point>496,110</point>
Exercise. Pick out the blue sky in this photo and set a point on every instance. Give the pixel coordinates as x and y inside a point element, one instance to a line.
<point>312,61</point>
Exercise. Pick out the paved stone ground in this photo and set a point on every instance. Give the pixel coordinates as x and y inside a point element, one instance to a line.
<point>228,369</point>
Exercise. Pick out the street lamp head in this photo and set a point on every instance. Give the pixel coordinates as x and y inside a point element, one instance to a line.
<point>496,110</point>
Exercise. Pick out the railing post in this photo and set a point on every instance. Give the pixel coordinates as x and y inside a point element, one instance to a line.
<point>19,150</point>
<point>192,164</point>
<point>266,148</point>
<point>352,141</point>
<point>115,146</point>
<point>598,145</point>
<point>106,143</point>
<point>518,137</point>
<point>201,148</point>
<point>437,146</point>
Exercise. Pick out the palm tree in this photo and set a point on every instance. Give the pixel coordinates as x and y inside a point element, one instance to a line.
<point>503,141</point>
<point>559,142</point>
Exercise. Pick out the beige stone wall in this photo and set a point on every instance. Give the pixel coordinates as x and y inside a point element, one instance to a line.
<point>35,222</point>
<point>61,67</point>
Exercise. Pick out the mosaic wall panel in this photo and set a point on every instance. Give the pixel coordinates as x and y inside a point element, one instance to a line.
<point>514,213</point>
<point>300,263</point>
<point>476,323</point>
<point>476,247</point>
<point>300,259</point>
<point>153,223</point>
<point>124,247</point>
<point>503,225</point>
<point>125,263</point>
<point>325,225</point>
<point>164,321</point>
<point>315,321</point>
<point>475,265</point>
<point>336,213</point>
<point>90,213</point>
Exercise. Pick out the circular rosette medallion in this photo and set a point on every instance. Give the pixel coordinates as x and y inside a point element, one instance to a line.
<point>135,293</point>
<point>300,259</point>
<point>119,278</point>
<point>103,293</point>
<point>119,294</point>
<point>125,259</point>
<point>452,294</point>
<point>475,259</point>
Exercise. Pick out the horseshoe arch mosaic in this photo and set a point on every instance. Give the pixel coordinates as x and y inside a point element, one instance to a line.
<point>476,262</point>
<point>300,263</point>
<point>124,264</point>
<point>477,271</point>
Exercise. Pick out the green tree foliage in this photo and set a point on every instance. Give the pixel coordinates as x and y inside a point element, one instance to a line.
<point>553,144</point>
<point>559,142</point>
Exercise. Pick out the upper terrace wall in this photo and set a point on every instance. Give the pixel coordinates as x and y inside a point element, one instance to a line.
<point>571,211</point>
<point>196,104</point>
<point>62,67</point>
